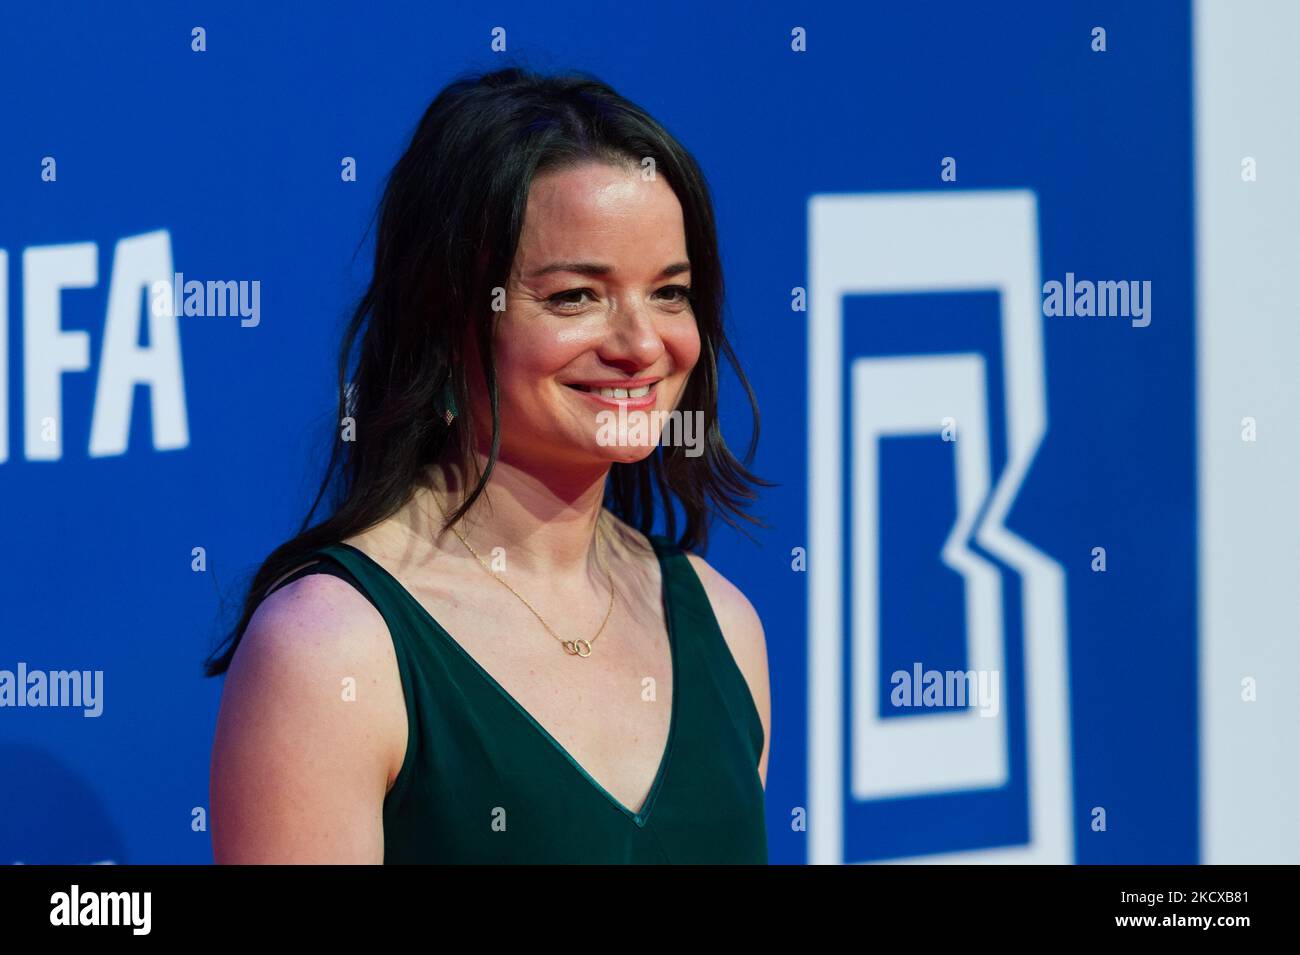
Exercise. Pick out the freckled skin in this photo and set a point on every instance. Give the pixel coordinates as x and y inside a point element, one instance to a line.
<point>631,321</point>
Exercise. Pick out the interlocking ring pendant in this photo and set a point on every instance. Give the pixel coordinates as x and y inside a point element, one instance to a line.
<point>579,648</point>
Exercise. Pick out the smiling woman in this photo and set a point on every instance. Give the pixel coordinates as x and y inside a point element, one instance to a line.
<point>485,653</point>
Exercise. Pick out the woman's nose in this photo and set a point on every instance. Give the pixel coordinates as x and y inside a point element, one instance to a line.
<point>633,332</point>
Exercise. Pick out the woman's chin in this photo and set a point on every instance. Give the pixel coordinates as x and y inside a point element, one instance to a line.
<point>629,453</point>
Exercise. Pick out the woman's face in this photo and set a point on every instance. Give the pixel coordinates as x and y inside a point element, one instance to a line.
<point>595,299</point>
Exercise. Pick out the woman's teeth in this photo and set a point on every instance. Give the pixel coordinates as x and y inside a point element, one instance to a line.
<point>617,392</point>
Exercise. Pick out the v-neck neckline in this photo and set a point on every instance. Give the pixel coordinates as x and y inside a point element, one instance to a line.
<point>638,818</point>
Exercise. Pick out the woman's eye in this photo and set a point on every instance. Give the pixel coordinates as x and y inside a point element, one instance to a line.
<point>683,293</point>
<point>572,299</point>
<point>563,298</point>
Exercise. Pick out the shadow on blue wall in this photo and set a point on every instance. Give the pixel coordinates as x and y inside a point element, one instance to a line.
<point>50,815</point>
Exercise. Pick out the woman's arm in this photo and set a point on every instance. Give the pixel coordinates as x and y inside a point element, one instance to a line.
<point>311,732</point>
<point>743,630</point>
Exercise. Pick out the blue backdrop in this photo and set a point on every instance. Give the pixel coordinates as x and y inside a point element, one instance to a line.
<point>234,155</point>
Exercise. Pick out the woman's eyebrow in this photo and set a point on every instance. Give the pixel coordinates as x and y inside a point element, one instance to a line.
<point>599,271</point>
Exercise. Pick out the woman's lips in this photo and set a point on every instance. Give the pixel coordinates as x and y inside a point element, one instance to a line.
<point>631,404</point>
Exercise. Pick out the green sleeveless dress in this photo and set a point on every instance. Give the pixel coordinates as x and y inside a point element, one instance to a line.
<point>484,782</point>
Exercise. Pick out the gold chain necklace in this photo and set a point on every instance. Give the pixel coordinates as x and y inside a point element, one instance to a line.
<point>580,648</point>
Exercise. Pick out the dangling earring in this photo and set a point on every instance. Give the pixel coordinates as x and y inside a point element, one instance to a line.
<point>448,404</point>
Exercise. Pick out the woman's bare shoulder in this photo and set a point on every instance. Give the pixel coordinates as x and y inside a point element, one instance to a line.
<point>739,620</point>
<point>316,617</point>
<point>742,628</point>
<point>311,730</point>
<point>314,641</point>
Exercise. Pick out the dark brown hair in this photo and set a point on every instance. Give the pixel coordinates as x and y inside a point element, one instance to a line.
<point>449,225</point>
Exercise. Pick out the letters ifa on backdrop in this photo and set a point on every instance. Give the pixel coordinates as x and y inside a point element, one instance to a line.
<point>49,351</point>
